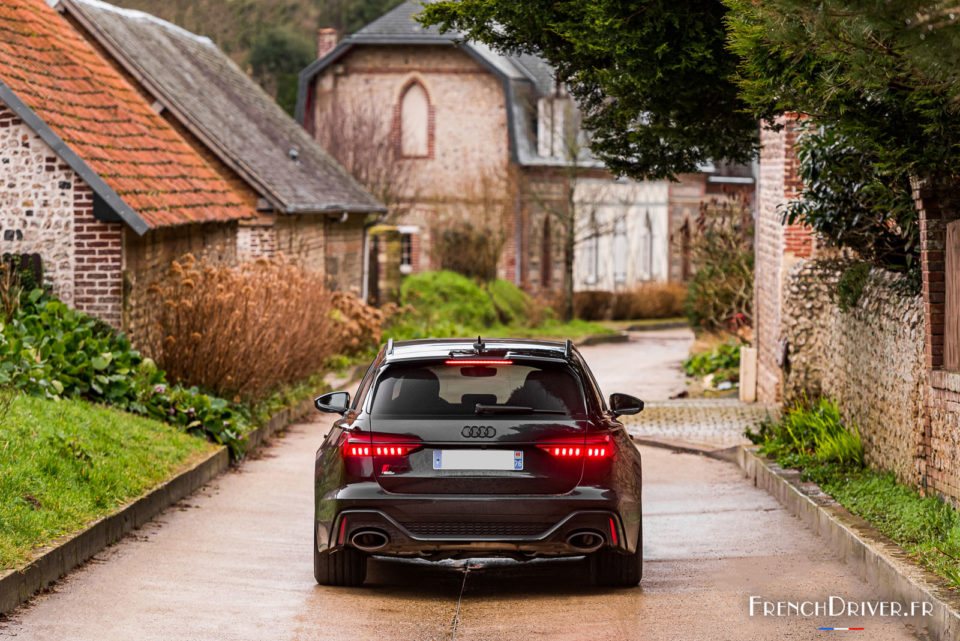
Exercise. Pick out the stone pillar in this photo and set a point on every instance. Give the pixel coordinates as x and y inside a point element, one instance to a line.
<point>777,247</point>
<point>938,458</point>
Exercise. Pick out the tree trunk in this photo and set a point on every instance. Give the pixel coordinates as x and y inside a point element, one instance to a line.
<point>568,248</point>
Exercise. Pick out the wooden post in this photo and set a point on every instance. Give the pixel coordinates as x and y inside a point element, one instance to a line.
<point>748,374</point>
<point>951,316</point>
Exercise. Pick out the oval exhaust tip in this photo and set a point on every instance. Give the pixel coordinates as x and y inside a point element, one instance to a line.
<point>585,541</point>
<point>369,540</point>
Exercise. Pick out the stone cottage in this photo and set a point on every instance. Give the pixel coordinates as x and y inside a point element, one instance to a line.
<point>480,130</point>
<point>94,181</point>
<point>307,206</point>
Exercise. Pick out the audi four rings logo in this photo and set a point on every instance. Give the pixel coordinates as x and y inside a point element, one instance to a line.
<point>478,431</point>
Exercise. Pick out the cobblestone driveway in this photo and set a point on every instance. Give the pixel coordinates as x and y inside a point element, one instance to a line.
<point>710,423</point>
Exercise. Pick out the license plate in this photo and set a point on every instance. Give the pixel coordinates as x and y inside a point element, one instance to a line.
<point>505,460</point>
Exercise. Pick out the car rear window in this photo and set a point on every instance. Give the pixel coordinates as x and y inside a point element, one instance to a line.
<point>428,389</point>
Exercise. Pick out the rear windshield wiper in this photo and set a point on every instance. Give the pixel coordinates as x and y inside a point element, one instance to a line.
<point>512,409</point>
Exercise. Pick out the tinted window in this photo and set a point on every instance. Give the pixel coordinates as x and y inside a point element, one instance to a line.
<point>442,390</point>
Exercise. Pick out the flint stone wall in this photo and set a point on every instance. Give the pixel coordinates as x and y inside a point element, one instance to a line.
<point>870,359</point>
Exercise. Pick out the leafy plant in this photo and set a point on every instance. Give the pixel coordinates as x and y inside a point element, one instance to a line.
<point>851,284</point>
<point>883,76</point>
<point>855,201</point>
<point>642,73</point>
<point>723,361</point>
<point>811,435</point>
<point>49,350</point>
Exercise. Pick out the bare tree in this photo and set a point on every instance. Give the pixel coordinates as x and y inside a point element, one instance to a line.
<point>469,235</point>
<point>578,220</point>
<point>360,137</point>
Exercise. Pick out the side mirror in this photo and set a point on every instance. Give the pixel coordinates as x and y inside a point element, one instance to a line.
<point>334,402</point>
<point>625,404</point>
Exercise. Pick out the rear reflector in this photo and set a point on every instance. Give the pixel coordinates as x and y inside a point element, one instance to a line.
<point>479,361</point>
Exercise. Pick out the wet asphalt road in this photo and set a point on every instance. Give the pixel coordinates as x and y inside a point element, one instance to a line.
<point>233,562</point>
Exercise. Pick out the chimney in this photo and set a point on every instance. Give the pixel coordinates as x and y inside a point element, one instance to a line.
<point>326,41</point>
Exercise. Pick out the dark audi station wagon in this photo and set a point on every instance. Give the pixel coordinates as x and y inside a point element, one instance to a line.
<point>495,448</point>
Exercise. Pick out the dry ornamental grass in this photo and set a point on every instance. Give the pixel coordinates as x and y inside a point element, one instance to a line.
<point>241,331</point>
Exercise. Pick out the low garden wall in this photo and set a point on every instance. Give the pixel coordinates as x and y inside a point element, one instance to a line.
<point>869,357</point>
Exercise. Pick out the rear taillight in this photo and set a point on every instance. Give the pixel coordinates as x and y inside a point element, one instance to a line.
<point>366,444</point>
<point>592,448</point>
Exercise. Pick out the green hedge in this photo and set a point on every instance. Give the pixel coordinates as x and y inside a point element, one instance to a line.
<point>52,351</point>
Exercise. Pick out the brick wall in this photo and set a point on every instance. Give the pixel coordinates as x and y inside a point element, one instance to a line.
<point>776,248</point>
<point>256,238</point>
<point>344,254</point>
<point>469,119</point>
<point>98,251</point>
<point>302,239</point>
<point>147,259</point>
<point>938,204</point>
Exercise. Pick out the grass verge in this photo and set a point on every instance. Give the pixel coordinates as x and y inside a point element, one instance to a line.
<point>812,438</point>
<point>67,463</point>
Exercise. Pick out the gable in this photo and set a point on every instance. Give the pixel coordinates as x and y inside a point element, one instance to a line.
<point>83,105</point>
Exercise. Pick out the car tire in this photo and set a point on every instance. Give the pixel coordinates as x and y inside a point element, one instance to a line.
<point>611,567</point>
<point>345,566</point>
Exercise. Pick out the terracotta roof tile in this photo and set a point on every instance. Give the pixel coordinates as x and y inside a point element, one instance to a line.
<point>199,84</point>
<point>86,102</point>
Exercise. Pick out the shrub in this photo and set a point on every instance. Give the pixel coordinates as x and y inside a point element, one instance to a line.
<point>445,297</point>
<point>243,331</point>
<point>592,305</point>
<point>811,434</point>
<point>853,200</point>
<point>720,294</point>
<point>850,286</point>
<point>513,305</point>
<point>650,300</point>
<point>469,250</point>
<point>52,351</point>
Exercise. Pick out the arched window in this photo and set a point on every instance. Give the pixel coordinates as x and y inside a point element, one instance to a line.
<point>415,122</point>
<point>546,256</point>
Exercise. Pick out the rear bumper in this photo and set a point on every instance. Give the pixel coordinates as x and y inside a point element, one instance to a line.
<point>430,538</point>
<point>471,525</point>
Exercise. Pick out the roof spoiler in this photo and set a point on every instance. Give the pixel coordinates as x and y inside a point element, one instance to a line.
<point>389,346</point>
<point>568,349</point>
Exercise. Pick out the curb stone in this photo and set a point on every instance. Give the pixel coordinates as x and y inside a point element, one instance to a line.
<point>19,585</point>
<point>876,559</point>
<point>597,339</point>
<point>653,327</point>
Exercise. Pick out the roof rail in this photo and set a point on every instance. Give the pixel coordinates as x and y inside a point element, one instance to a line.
<point>568,349</point>
<point>389,346</point>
